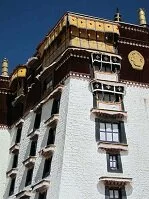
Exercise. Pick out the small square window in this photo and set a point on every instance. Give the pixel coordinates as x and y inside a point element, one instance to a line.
<point>115,193</point>
<point>114,163</point>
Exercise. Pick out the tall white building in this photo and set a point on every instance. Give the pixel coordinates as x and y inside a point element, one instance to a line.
<point>76,116</point>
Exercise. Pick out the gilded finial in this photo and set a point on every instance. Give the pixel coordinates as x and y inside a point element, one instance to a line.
<point>5,67</point>
<point>117,16</point>
<point>142,17</point>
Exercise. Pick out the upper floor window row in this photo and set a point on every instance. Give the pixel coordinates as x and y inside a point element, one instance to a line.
<point>99,86</point>
<point>106,62</point>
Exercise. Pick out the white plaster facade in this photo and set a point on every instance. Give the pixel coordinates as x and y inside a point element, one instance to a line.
<point>4,152</point>
<point>77,162</point>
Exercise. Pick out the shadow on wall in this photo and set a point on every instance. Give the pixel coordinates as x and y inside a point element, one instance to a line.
<point>39,173</point>
<point>6,194</point>
<point>22,183</point>
<point>45,138</point>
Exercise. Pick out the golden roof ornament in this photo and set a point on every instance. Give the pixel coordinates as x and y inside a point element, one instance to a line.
<point>117,16</point>
<point>142,17</point>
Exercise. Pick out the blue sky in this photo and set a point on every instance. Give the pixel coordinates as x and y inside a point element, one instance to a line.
<point>23,24</point>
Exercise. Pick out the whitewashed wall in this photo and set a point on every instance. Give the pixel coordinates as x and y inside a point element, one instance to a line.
<point>4,153</point>
<point>77,163</point>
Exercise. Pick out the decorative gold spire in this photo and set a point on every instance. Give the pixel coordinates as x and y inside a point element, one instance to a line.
<point>117,16</point>
<point>142,18</point>
<point>5,67</point>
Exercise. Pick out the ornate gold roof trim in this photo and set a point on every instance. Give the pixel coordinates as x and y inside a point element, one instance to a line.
<point>81,22</point>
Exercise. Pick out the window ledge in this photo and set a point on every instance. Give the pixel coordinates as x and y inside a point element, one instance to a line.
<point>52,120</point>
<point>33,134</point>
<point>48,150</point>
<point>18,99</point>
<point>14,148</point>
<point>12,172</point>
<point>41,186</point>
<point>24,194</point>
<point>20,122</point>
<point>115,181</point>
<point>107,112</point>
<point>112,146</point>
<point>30,161</point>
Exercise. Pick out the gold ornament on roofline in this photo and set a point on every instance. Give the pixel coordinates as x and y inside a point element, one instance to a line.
<point>136,60</point>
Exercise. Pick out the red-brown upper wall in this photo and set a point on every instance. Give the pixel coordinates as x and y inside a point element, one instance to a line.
<point>134,38</point>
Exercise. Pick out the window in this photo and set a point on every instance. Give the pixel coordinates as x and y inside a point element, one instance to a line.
<point>114,163</point>
<point>42,195</point>
<point>37,120</point>
<point>33,148</point>
<point>12,186</point>
<point>18,135</point>
<point>29,176</point>
<point>55,107</point>
<point>47,167</point>
<point>110,131</point>
<point>105,62</point>
<point>15,161</point>
<point>48,84</point>
<point>115,193</point>
<point>51,136</point>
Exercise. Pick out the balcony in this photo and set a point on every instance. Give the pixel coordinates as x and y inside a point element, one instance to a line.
<point>41,186</point>
<point>12,172</point>
<point>114,109</point>
<point>112,146</point>
<point>14,148</point>
<point>48,150</point>
<point>30,161</point>
<point>52,120</point>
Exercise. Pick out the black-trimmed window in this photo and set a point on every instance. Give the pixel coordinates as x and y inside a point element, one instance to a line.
<point>48,84</point>
<point>42,195</point>
<point>114,163</point>
<point>51,136</point>
<point>37,120</point>
<point>55,106</point>
<point>12,186</point>
<point>47,167</point>
<point>115,193</point>
<point>110,131</point>
<point>107,96</point>
<point>18,134</point>
<point>106,62</point>
<point>33,148</point>
<point>15,161</point>
<point>29,176</point>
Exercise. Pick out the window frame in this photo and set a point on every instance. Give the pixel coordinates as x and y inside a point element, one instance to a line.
<point>121,191</point>
<point>118,163</point>
<point>47,167</point>
<point>121,127</point>
<point>38,115</point>
<point>12,186</point>
<point>29,176</point>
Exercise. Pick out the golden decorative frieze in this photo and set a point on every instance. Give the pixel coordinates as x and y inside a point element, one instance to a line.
<point>83,28</point>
